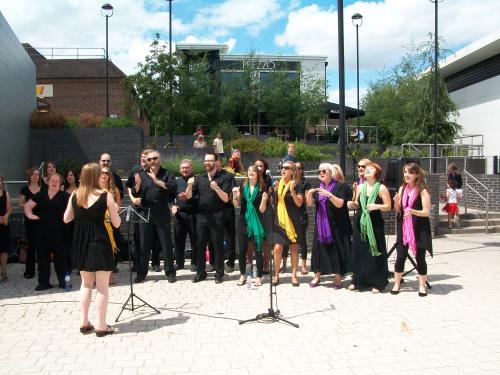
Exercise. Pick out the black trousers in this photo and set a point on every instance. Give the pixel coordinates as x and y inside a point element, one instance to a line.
<point>303,237</point>
<point>147,236</point>
<point>402,253</point>
<point>210,228</point>
<point>30,228</point>
<point>184,226</point>
<point>230,233</point>
<point>243,241</point>
<point>47,242</point>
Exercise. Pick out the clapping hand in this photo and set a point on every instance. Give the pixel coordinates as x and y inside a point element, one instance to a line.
<point>293,184</point>
<point>214,185</point>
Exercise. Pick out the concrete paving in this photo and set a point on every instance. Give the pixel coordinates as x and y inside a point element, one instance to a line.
<point>454,330</point>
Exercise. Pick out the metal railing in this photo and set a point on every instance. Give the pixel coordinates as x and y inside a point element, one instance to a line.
<point>456,149</point>
<point>485,197</point>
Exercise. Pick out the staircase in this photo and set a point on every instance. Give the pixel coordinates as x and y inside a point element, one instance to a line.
<point>471,223</point>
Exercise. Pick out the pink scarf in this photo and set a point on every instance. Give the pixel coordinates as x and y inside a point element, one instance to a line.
<point>408,233</point>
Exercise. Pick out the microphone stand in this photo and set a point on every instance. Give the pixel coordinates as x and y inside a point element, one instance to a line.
<point>142,217</point>
<point>271,315</point>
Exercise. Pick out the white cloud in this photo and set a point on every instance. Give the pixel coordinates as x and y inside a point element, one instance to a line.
<point>80,24</point>
<point>253,15</point>
<point>387,27</point>
<point>231,42</point>
<point>350,96</point>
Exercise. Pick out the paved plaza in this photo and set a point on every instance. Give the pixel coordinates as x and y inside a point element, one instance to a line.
<point>455,330</point>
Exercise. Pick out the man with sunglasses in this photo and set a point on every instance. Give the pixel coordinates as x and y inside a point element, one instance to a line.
<point>210,191</point>
<point>105,161</point>
<point>155,186</point>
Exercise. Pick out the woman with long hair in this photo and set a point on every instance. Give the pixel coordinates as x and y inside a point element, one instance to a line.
<point>286,228</point>
<point>412,203</point>
<point>5,212</point>
<point>50,203</point>
<point>27,192</point>
<point>106,182</point>
<point>252,197</point>
<point>70,181</point>
<point>267,216</point>
<point>92,251</point>
<point>332,232</point>
<point>369,249</point>
<point>49,169</point>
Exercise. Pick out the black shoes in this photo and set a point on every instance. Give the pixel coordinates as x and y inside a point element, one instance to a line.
<point>28,275</point>
<point>394,292</point>
<point>229,268</point>
<point>172,279</point>
<point>422,294</point>
<point>219,279</point>
<point>156,268</point>
<point>41,287</point>
<point>200,277</point>
<point>139,279</point>
<point>179,267</point>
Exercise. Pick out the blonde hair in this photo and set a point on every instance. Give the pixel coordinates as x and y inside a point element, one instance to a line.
<point>338,174</point>
<point>111,188</point>
<point>326,166</point>
<point>89,183</point>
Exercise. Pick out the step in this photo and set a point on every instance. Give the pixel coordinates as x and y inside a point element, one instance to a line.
<point>468,230</point>
<point>471,216</point>
<point>470,222</point>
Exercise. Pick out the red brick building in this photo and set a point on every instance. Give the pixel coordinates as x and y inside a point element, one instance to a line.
<point>77,87</point>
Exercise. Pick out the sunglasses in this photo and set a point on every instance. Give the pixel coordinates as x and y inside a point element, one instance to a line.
<point>361,166</point>
<point>105,161</point>
<point>287,168</point>
<point>153,158</point>
<point>105,173</point>
<point>323,171</point>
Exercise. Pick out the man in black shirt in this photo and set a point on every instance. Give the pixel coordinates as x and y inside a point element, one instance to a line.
<point>105,161</point>
<point>155,185</point>
<point>229,219</point>
<point>210,191</point>
<point>183,211</point>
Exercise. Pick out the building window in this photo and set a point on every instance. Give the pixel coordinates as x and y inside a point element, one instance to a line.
<point>42,106</point>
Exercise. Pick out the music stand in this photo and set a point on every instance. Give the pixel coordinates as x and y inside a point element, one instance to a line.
<point>412,261</point>
<point>131,214</point>
<point>271,315</point>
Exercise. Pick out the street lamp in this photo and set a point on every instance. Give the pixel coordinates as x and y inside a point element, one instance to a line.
<point>340,36</point>
<point>436,94</point>
<point>107,11</point>
<point>170,27</point>
<point>326,102</point>
<point>357,20</point>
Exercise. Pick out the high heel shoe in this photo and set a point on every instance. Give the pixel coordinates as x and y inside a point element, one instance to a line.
<point>395,291</point>
<point>314,284</point>
<point>422,294</point>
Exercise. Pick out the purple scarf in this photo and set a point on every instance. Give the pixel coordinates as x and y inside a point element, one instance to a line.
<point>322,222</point>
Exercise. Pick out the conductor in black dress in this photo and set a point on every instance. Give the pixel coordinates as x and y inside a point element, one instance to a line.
<point>210,192</point>
<point>155,186</point>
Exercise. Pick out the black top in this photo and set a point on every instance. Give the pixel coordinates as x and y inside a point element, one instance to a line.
<point>304,186</point>
<point>118,183</point>
<point>421,227</point>
<point>51,211</point>
<point>131,176</point>
<point>293,211</point>
<point>338,217</point>
<point>207,199</point>
<point>230,182</point>
<point>3,204</point>
<point>183,204</point>
<point>456,177</point>
<point>154,196</point>
<point>244,203</point>
<point>28,195</point>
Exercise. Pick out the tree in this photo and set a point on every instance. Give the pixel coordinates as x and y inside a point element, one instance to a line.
<point>400,103</point>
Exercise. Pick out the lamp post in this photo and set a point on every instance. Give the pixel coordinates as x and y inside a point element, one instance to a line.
<point>326,101</point>
<point>170,56</point>
<point>436,93</point>
<point>107,11</point>
<point>340,22</point>
<point>357,20</point>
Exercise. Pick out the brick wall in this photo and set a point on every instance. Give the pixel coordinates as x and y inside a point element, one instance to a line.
<point>85,145</point>
<point>473,199</point>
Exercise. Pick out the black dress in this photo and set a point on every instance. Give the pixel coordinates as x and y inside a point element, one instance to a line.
<point>30,229</point>
<point>279,235</point>
<point>4,229</point>
<point>91,245</point>
<point>334,258</point>
<point>421,228</point>
<point>370,271</point>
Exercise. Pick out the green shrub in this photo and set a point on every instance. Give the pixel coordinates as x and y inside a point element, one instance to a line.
<point>229,132</point>
<point>247,144</point>
<point>72,123</point>
<point>173,164</point>
<point>274,147</point>
<point>116,123</point>
<point>89,120</point>
<point>391,153</point>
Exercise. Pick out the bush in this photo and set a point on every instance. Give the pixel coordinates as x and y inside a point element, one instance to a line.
<point>173,164</point>
<point>89,120</point>
<point>116,123</point>
<point>229,132</point>
<point>247,144</point>
<point>72,123</point>
<point>274,147</point>
<point>47,120</point>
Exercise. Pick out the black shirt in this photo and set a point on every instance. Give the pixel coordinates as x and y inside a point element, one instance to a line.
<point>183,204</point>
<point>230,182</point>
<point>118,183</point>
<point>154,196</point>
<point>131,176</point>
<point>51,211</point>
<point>28,195</point>
<point>244,203</point>
<point>205,197</point>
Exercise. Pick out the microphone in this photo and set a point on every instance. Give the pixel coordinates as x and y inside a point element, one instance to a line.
<point>128,215</point>
<point>271,180</point>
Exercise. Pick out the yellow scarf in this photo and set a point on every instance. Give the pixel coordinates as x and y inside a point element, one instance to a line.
<point>284,220</point>
<point>109,229</point>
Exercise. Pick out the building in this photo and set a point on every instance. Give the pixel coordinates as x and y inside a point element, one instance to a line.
<point>472,76</point>
<point>17,102</point>
<point>76,87</point>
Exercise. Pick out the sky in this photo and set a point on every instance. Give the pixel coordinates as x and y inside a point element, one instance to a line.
<point>283,27</point>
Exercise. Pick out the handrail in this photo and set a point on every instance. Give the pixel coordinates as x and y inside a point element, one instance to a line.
<point>485,199</point>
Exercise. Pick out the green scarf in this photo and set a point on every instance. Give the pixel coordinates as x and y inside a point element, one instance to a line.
<point>254,226</point>
<point>365,222</point>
